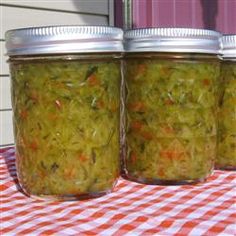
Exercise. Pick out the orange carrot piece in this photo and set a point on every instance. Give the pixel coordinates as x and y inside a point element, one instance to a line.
<point>133,157</point>
<point>168,129</point>
<point>100,104</point>
<point>169,102</point>
<point>147,135</point>
<point>142,68</point>
<point>136,125</point>
<point>93,80</point>
<point>34,95</point>
<point>70,173</point>
<point>206,82</point>
<point>161,172</point>
<point>82,158</point>
<point>33,145</point>
<point>137,106</point>
<point>24,114</point>
<point>171,154</point>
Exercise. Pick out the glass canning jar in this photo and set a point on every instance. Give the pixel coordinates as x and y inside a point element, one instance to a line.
<point>171,79</point>
<point>226,155</point>
<point>66,99</point>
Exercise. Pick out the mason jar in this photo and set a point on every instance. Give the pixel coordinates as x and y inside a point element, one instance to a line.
<point>66,99</point>
<point>171,79</point>
<point>226,156</point>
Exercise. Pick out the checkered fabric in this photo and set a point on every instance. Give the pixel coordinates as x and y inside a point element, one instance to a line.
<point>132,209</point>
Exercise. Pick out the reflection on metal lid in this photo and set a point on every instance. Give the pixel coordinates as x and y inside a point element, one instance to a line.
<point>229,46</point>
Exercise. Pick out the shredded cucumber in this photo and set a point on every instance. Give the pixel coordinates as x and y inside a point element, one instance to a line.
<point>226,158</point>
<point>171,118</point>
<point>66,118</point>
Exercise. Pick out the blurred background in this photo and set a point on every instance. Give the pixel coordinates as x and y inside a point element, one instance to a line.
<point>218,15</point>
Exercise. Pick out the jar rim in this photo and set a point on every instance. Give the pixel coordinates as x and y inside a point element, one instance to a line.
<point>172,40</point>
<point>63,39</point>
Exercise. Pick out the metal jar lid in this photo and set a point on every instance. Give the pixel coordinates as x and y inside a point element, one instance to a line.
<point>228,43</point>
<point>63,39</point>
<point>172,40</point>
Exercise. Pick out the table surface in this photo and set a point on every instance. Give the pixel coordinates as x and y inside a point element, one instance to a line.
<point>132,209</point>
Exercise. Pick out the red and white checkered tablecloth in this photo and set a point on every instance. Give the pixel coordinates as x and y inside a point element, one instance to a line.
<point>132,209</point>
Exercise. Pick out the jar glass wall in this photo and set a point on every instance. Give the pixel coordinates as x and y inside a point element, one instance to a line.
<point>171,106</point>
<point>66,122</point>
